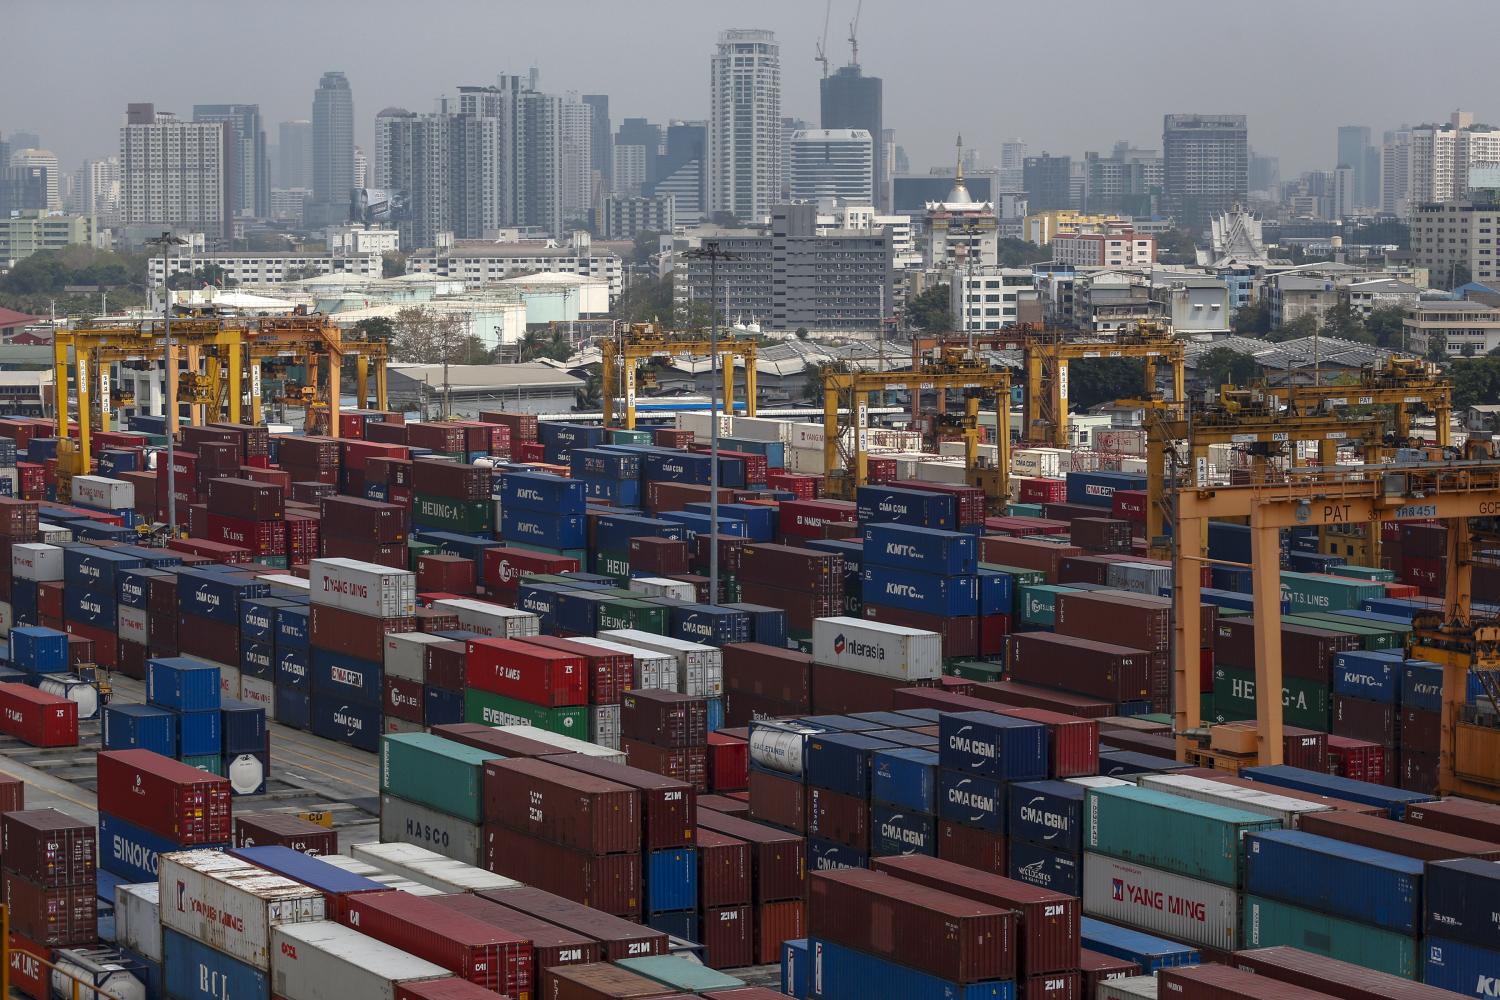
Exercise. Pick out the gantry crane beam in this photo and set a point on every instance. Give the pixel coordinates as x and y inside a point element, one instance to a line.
<point>1047,361</point>
<point>1399,384</point>
<point>1450,491</point>
<point>621,355</point>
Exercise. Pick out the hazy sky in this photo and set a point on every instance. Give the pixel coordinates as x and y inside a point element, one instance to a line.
<point>1065,77</point>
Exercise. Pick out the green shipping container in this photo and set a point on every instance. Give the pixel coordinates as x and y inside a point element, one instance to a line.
<point>1206,705</point>
<point>1372,635</point>
<point>1267,923</point>
<point>619,435</point>
<point>977,670</point>
<point>1197,839</point>
<point>495,710</point>
<point>469,517</point>
<point>275,562</point>
<point>612,564</point>
<point>581,555</point>
<point>1036,604</point>
<point>1316,592</point>
<point>1365,573</point>
<point>1024,510</point>
<point>432,771</point>
<point>210,762</point>
<point>681,974</point>
<point>626,613</point>
<point>1305,703</point>
<point>414,550</point>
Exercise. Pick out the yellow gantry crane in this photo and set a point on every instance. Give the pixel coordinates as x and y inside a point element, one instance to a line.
<point>623,354</point>
<point>1048,355</point>
<point>1401,383</point>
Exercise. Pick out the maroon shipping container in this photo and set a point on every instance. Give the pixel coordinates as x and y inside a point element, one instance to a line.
<point>205,638</point>
<point>914,925</point>
<point>445,573</point>
<point>1100,534</point>
<point>1397,838</point>
<point>526,671</point>
<point>59,917</point>
<point>1072,742</point>
<point>740,709</point>
<point>968,500</point>
<point>728,935</point>
<point>1330,976</point>
<point>608,882</point>
<point>1359,719</point>
<point>454,480</point>
<point>284,830</point>
<point>1097,967</point>
<point>801,608</point>
<point>1357,759</point>
<point>48,847</point>
<point>570,809</point>
<point>723,870</point>
<point>164,796</point>
<point>778,859</point>
<point>403,699</point>
<point>1460,817</point>
<point>1418,771</point>
<point>664,718</point>
<point>1220,982</point>
<point>597,982</point>
<point>727,805</point>
<point>522,425</point>
<point>960,634</point>
<point>610,675</point>
<point>483,737</point>
<point>1304,748</point>
<point>784,920</point>
<point>436,437</point>
<point>658,556</point>
<point>768,671</point>
<point>841,692</point>
<point>778,800</point>
<point>245,499</point>
<point>551,945</point>
<point>972,847</point>
<point>1100,669</point>
<point>841,819</point>
<point>1305,651</point>
<point>351,633</point>
<point>482,953</point>
<point>38,718</point>
<point>617,938</point>
<point>728,763</point>
<point>730,547</point>
<point>1045,557</point>
<point>668,805</point>
<point>688,764</point>
<point>368,521</point>
<point>12,794</point>
<point>444,665</point>
<point>1052,986</point>
<point>1149,744</point>
<point>808,518</point>
<point>1047,928</point>
<point>1106,616</point>
<point>452,988</point>
<point>1419,732</point>
<point>792,568</point>
<point>1032,696</point>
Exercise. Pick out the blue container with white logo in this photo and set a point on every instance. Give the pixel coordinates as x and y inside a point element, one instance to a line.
<point>1465,969</point>
<point>841,762</point>
<point>541,600</point>
<point>692,467</point>
<point>906,778</point>
<point>308,869</point>
<point>694,525</point>
<point>1044,867</point>
<point>345,720</point>
<point>972,800</point>
<point>257,659</point>
<point>216,596</point>
<point>293,670</point>
<point>293,707</point>
<point>91,607</point>
<point>760,522</point>
<point>1048,813</point>
<point>87,567</point>
<point>243,727</point>
<point>199,733</point>
<point>23,601</point>
<point>338,675</point>
<point>39,650</point>
<point>840,973</point>
<point>547,529</point>
<point>258,618</point>
<point>671,878</point>
<point>140,727</point>
<point>852,549</point>
<point>944,596</point>
<point>1460,897</point>
<point>559,439</point>
<point>292,628</point>
<point>1334,877</point>
<point>1146,950</point>
<point>920,550</point>
<point>541,491</point>
<point>709,624</point>
<point>899,505</point>
<point>613,532</point>
<point>826,856</point>
<point>194,971</point>
<point>1097,489</point>
<point>1422,686</point>
<point>1393,800</point>
<point>994,745</point>
<point>131,852</point>
<point>183,683</point>
<point>441,707</point>
<point>997,592</point>
<point>795,966</point>
<point>1374,675</point>
<point>134,586</point>
<point>603,464</point>
<point>894,830</point>
<point>767,625</point>
<point>618,492</point>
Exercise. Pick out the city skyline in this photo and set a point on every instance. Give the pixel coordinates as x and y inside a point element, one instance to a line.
<point>928,100</point>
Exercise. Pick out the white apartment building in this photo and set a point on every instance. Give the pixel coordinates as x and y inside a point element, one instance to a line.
<point>1458,329</point>
<point>175,173</point>
<point>1450,235</point>
<point>483,263</point>
<point>990,298</point>
<point>267,268</point>
<point>744,127</point>
<point>836,163</point>
<point>1104,249</point>
<point>358,240</point>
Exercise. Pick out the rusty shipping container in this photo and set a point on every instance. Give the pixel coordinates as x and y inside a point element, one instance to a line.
<point>664,718</point>
<point>607,882</point>
<point>568,808</point>
<point>617,938</point>
<point>1220,982</point>
<point>1100,669</point>
<point>778,868</point>
<point>551,945</point>
<point>351,633</point>
<point>48,847</point>
<point>784,920</point>
<point>668,806</point>
<point>1396,837</point>
<point>723,870</point>
<point>597,982</point>
<point>1344,980</point>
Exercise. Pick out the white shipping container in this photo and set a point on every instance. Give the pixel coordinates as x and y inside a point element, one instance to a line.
<point>388,879</point>
<point>36,561</point>
<point>807,461</point>
<point>1129,988</point>
<point>103,493</point>
<point>260,692</point>
<point>491,619</point>
<point>565,742</point>
<point>405,654</point>
<point>702,427</point>
<point>428,867</point>
<point>365,588</point>
<point>1133,466</point>
<point>137,923</point>
<point>653,671</point>
<point>1183,909</point>
<point>229,681</point>
<point>1289,811</point>
<point>407,822</point>
<point>604,726</point>
<point>907,654</point>
<point>1043,462</point>
<point>779,746</point>
<point>700,668</point>
<point>287,580</point>
<point>934,471</point>
<point>53,534</point>
<point>391,724</point>
<point>762,429</point>
<point>1139,578</point>
<point>231,905</point>
<point>328,961</point>
<point>807,437</point>
<point>134,625</point>
<point>1098,781</point>
<point>660,586</point>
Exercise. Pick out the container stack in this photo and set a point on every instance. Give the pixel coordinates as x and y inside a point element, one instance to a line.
<point>355,605</point>
<point>807,583</point>
<point>608,675</point>
<point>666,732</point>
<point>433,787</point>
<point>778,880</point>
<point>610,477</point>
<point>179,807</point>
<point>762,681</point>
<point>248,515</point>
<point>1045,832</point>
<point>980,754</point>
<point>726,917</point>
<point>513,682</point>
<point>858,663</point>
<point>363,530</point>
<point>544,513</point>
<point>293,666</point>
<point>187,690</point>
<point>91,581</point>
<point>924,578</point>
<point>451,496</point>
<point>48,869</point>
<point>210,608</point>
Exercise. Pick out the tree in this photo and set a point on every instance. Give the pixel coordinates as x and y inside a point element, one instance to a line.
<point>1100,380</point>
<point>376,328</point>
<point>392,264</point>
<point>550,344</point>
<point>209,274</point>
<point>1223,366</point>
<point>646,300</point>
<point>1475,380</point>
<point>1253,319</point>
<point>1303,326</point>
<point>1021,253</point>
<point>1343,322</point>
<point>1385,326</point>
<point>931,311</point>
<point>801,333</point>
<point>425,337</point>
<point>1176,246</point>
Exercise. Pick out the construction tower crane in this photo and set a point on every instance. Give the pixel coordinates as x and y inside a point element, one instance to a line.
<point>822,56</point>
<point>854,38</point>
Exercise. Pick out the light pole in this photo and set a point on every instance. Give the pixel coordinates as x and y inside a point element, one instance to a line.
<point>166,241</point>
<point>711,251</point>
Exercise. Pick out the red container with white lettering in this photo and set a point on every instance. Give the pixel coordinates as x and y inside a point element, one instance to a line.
<point>38,718</point>
<point>609,674</point>
<point>521,670</point>
<point>164,796</point>
<point>264,538</point>
<point>501,568</point>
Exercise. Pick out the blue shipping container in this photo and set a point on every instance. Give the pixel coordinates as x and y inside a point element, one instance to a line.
<point>243,727</point>
<point>994,745</point>
<point>760,522</point>
<point>826,856</point>
<point>997,593</point>
<point>1393,800</point>
<point>1146,950</point>
<point>840,973</point>
<point>676,923</point>
<point>307,869</point>
<point>291,627</point>
<point>90,607</point>
<point>907,738</point>
<point>183,683</point>
<point>194,971</point>
<point>767,625</point>
<point>216,596</point>
<point>1464,969</point>
<point>613,532</point>
<point>1044,867</point>
<point>944,596</point>
<point>898,505</point>
<point>840,762</point>
<point>1461,898</point>
<point>1374,675</point>
<point>901,831</point>
<point>1048,813</point>
<point>88,567</point>
<point>130,852</point>
<point>1422,686</point>
<point>441,707</point>
<point>1097,489</point>
<point>292,669</point>
<point>356,723</point>
<point>341,676</point>
<point>671,878</point>
<point>140,727</point>
<point>257,659</point>
<point>972,800</point>
<point>293,707</point>
<point>39,650</point>
<point>841,723</point>
<point>694,525</point>
<point>258,618</point>
<point>905,777</point>
<point>922,550</point>
<point>542,491</point>
<point>199,733</point>
<point>709,624</point>
<point>548,529</point>
<point>134,587</point>
<point>1331,876</point>
<point>795,968</point>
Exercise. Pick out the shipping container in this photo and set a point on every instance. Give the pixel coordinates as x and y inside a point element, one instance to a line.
<point>993,745</point>
<point>1268,922</point>
<point>1202,913</point>
<point>47,847</point>
<point>1220,982</point>
<point>611,883</point>
<point>164,796</point>
<point>618,938</point>
<point>840,973</point>
<point>1103,670</point>
<point>884,650</point>
<point>567,807</point>
<point>1405,839</point>
<point>37,717</point>
<point>194,971</point>
<point>1330,976</point>
<point>364,588</point>
<point>323,960</point>
<point>433,771</point>
<point>1126,823</point>
<point>551,944</point>
<point>412,823</point>
<point>1359,883</point>
<point>597,982</point>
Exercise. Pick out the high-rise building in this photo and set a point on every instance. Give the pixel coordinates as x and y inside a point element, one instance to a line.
<point>744,130</point>
<point>1128,181</point>
<point>177,174</point>
<point>603,153</point>
<point>851,100</point>
<point>789,128</point>
<point>391,162</point>
<point>1047,180</point>
<point>97,190</point>
<point>1439,158</point>
<point>252,168</point>
<point>1353,147</point>
<point>294,154</point>
<point>679,171</point>
<point>1012,165</point>
<point>1395,171</point>
<point>1265,173</point>
<point>361,175</point>
<point>1205,161</point>
<point>333,150</point>
<point>577,125</point>
<point>23,139</point>
<point>836,163</point>
<point>27,158</point>
<point>634,155</point>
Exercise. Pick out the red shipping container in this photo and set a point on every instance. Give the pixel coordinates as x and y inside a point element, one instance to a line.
<point>491,956</point>
<point>27,973</point>
<point>665,719</point>
<point>971,847</point>
<point>361,520</point>
<point>439,989</point>
<point>599,982</point>
<point>1047,931</point>
<point>501,568</point>
<point>1461,817</point>
<point>529,452</point>
<point>245,499</point>
<point>769,671</point>
<point>779,800</point>
<point>1220,982</point>
<point>59,917</point>
<point>618,938</point>
<point>728,935</point>
<point>840,819</point>
<point>393,555</point>
<point>526,671</point>
<point>551,945</point>
<point>1040,490</point>
<point>960,635</point>
<point>668,805</point>
<point>570,809</point>
<point>804,486</point>
<point>449,573</point>
<point>522,426</point>
<point>264,538</point>
<point>727,804</point>
<point>284,830</point>
<point>38,718</point>
<point>1392,836</point>
<point>609,882</point>
<point>839,692</point>
<point>215,551</point>
<point>351,633</point>
<point>687,764</point>
<point>403,699</point>
<point>1083,666</point>
<point>507,745</point>
<point>164,796</point>
<point>806,518</point>
<point>48,847</point>
<point>658,556</point>
<point>778,859</point>
<point>724,864</point>
<point>609,675</point>
<point>12,794</point>
<point>455,480</point>
<point>444,665</point>
<point>1052,986</point>
<point>1031,696</point>
<point>1045,557</point>
<point>728,763</point>
<point>1097,967</point>
<point>784,920</point>
<point>1330,976</point>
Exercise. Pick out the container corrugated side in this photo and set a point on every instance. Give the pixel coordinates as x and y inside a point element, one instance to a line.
<point>1288,810</point>
<point>1266,922</point>
<point>430,770</point>
<point>1331,976</point>
<point>1346,880</point>
<point>1185,909</point>
<point>363,587</point>
<point>327,961</point>
<point>868,647</point>
<point>412,823</point>
<point>194,971</point>
<point>137,920</point>
<point>1203,839</point>
<point>839,973</point>
<point>230,904</point>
